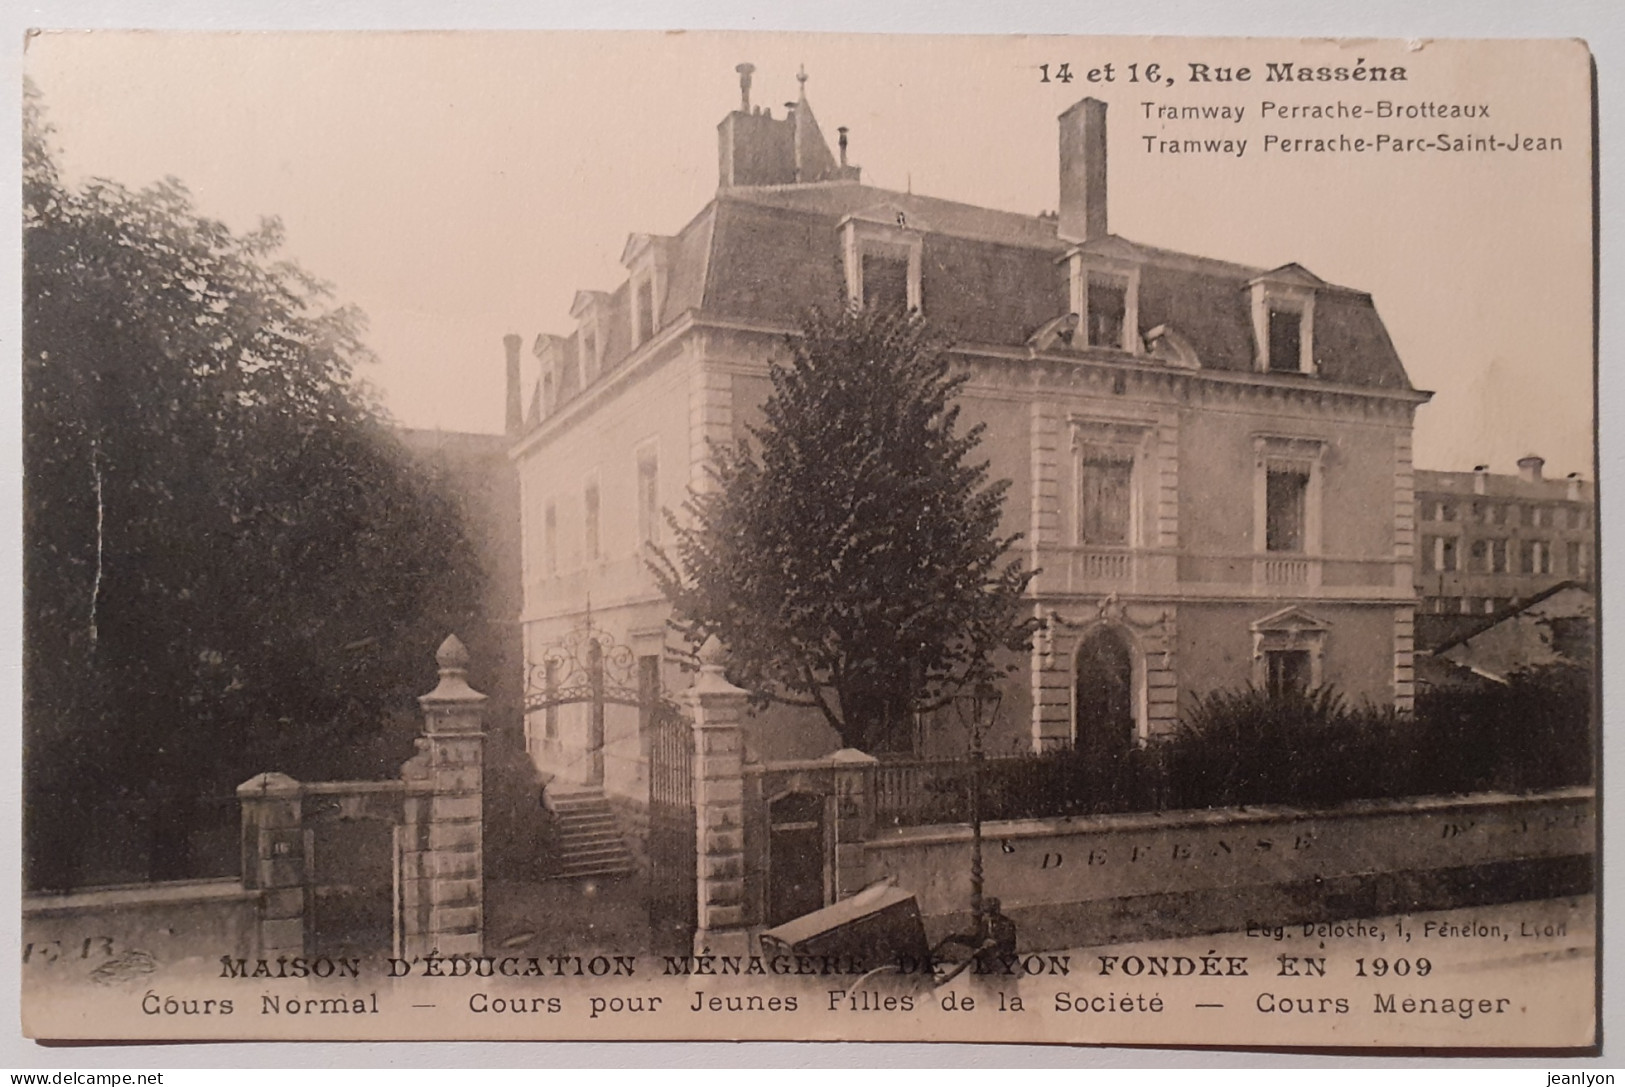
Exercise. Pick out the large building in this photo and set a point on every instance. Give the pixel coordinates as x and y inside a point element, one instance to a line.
<point>1210,463</point>
<point>1490,541</point>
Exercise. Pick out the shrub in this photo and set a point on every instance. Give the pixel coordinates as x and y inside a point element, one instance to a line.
<point>1537,732</point>
<point>1312,750</point>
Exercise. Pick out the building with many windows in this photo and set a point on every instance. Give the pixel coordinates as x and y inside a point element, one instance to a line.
<point>1210,463</point>
<point>1490,541</point>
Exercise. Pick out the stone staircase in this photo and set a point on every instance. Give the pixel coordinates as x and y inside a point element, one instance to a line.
<point>589,840</point>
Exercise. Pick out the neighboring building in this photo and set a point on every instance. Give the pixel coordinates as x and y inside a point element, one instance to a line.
<point>1488,542</point>
<point>1210,463</point>
<point>1555,626</point>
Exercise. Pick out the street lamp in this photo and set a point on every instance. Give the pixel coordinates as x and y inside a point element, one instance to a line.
<point>978,709</point>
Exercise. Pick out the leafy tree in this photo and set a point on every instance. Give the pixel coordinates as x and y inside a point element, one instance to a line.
<point>853,562</point>
<point>229,564</point>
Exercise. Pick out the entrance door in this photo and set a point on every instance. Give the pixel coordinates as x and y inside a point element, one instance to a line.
<point>352,878</point>
<point>1104,696</point>
<point>795,860</point>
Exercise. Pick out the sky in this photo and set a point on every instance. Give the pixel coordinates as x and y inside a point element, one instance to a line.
<point>459,186</point>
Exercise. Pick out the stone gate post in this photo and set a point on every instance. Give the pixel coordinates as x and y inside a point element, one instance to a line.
<point>854,818</point>
<point>274,845</point>
<point>442,876</point>
<point>719,807</point>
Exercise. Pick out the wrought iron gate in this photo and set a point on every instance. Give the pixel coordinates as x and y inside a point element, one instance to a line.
<point>587,666</point>
<point>673,897</point>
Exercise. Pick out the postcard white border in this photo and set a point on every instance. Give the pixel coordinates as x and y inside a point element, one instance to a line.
<point>1273,18</point>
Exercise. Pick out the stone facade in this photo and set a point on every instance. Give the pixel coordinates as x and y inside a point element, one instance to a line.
<point>1204,513</point>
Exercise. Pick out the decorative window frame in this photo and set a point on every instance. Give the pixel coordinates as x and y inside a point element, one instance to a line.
<point>1289,629</point>
<point>860,237</point>
<point>1133,438</point>
<point>1289,297</point>
<point>1086,268</point>
<point>1291,453</point>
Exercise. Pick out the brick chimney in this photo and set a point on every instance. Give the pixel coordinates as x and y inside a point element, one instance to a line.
<point>516,411</point>
<point>1481,475</point>
<point>1083,171</point>
<point>1576,492</point>
<point>1529,468</point>
<point>754,148</point>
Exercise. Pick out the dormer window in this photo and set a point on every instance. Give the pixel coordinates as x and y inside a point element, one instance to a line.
<point>1286,340</point>
<point>646,258</point>
<point>643,312</point>
<point>1106,297</point>
<point>885,281</point>
<point>588,310</point>
<point>1283,305</point>
<point>882,264</point>
<point>589,353</point>
<point>1106,312</point>
<point>560,379</point>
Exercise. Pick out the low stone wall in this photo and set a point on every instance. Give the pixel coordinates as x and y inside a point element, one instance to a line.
<point>1080,881</point>
<point>316,879</point>
<point>168,921</point>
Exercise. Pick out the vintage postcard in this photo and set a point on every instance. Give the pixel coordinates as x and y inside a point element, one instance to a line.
<point>778,536</point>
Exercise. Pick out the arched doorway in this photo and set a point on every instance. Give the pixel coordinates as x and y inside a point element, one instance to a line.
<point>1103,692</point>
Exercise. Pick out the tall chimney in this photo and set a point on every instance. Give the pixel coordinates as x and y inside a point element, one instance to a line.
<point>1575,493</point>
<point>1529,468</point>
<point>842,131</point>
<point>1083,171</point>
<point>516,417</point>
<point>1481,474</point>
<point>744,71</point>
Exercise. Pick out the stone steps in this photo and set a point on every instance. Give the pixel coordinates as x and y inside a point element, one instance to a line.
<point>588,836</point>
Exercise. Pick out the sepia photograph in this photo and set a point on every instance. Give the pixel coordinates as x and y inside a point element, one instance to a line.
<point>779,536</point>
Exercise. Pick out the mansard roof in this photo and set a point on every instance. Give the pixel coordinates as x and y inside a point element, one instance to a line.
<point>765,254</point>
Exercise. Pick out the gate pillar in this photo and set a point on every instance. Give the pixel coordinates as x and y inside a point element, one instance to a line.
<point>274,860</point>
<point>442,887</point>
<point>854,818</point>
<point>719,807</point>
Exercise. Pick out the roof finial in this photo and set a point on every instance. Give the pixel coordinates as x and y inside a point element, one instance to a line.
<point>801,77</point>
